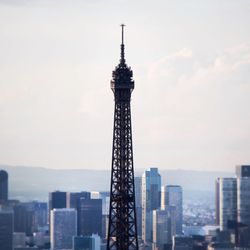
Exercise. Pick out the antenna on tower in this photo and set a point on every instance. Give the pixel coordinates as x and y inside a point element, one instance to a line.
<point>122,46</point>
<point>122,25</point>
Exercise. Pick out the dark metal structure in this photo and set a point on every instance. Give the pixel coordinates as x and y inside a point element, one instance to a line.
<point>122,230</point>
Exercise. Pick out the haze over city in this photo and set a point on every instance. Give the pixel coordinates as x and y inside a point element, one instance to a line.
<point>191,64</point>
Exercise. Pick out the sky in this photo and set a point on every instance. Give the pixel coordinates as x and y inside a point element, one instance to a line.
<point>191,64</point>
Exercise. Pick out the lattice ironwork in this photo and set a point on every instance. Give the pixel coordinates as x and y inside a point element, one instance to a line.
<point>122,230</point>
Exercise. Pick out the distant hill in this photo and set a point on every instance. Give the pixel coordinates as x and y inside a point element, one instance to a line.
<point>28,183</point>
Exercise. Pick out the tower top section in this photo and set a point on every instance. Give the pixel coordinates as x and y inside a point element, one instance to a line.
<point>122,76</point>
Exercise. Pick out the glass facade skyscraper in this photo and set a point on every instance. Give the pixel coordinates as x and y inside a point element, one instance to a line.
<point>151,198</point>
<point>63,228</point>
<point>243,200</point>
<point>57,199</point>
<point>90,217</point>
<point>161,228</point>
<point>234,205</point>
<point>228,201</point>
<point>6,229</point>
<point>172,199</point>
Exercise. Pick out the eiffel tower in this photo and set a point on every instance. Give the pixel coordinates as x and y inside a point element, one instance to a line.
<point>122,230</point>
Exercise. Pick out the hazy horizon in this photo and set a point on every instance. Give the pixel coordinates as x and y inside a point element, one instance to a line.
<point>191,64</point>
<point>137,169</point>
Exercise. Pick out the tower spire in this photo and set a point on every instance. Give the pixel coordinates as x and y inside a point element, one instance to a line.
<point>122,61</point>
<point>122,25</point>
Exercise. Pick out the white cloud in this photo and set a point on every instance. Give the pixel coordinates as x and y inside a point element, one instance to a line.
<point>199,107</point>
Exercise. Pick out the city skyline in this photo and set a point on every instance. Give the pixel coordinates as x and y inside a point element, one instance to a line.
<point>191,63</point>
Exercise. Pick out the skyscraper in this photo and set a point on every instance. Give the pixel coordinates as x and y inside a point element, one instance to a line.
<point>40,214</point>
<point>90,217</point>
<point>3,186</point>
<point>151,194</point>
<point>73,199</point>
<point>217,201</point>
<point>234,205</point>
<point>6,229</point>
<point>243,193</point>
<point>138,190</point>
<point>63,228</point>
<point>122,230</point>
<point>161,228</point>
<point>24,217</point>
<point>57,199</point>
<point>172,197</point>
<point>228,201</point>
<point>105,196</point>
<point>243,205</point>
<point>243,200</point>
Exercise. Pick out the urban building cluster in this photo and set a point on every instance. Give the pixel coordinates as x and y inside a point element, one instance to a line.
<point>79,220</point>
<point>233,208</point>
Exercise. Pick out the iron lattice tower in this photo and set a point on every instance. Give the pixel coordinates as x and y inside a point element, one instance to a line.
<point>122,230</point>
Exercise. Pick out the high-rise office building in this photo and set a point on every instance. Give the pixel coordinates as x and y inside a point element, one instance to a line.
<point>3,186</point>
<point>19,218</point>
<point>90,217</point>
<point>24,218</point>
<point>172,211</point>
<point>217,201</point>
<point>228,201</point>
<point>138,190</point>
<point>73,201</point>
<point>243,200</point>
<point>163,197</point>
<point>151,194</point>
<point>57,199</point>
<point>161,228</point>
<point>29,217</point>
<point>73,198</point>
<point>6,229</point>
<point>40,215</point>
<point>243,213</point>
<point>234,205</point>
<point>105,196</point>
<point>172,197</point>
<point>63,228</point>
<point>138,203</point>
<point>34,215</point>
<point>243,204</point>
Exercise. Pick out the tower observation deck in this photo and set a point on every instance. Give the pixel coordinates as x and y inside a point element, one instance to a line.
<point>122,230</point>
